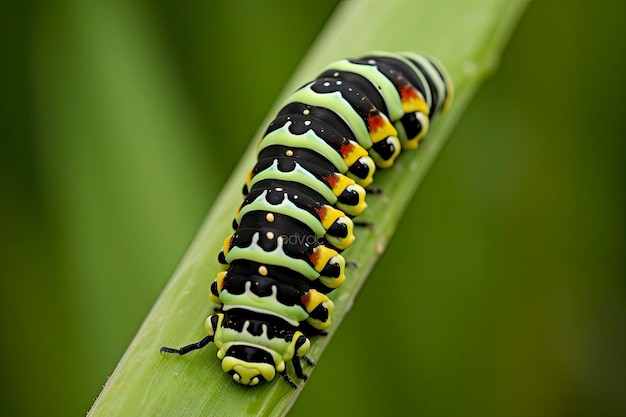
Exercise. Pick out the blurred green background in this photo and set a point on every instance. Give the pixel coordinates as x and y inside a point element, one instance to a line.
<point>502,293</point>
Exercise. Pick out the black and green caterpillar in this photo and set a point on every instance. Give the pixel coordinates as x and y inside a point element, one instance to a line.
<point>314,162</point>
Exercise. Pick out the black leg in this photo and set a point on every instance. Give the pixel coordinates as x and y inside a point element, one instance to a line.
<point>188,348</point>
<point>289,380</point>
<point>297,366</point>
<point>363,223</point>
<point>308,360</point>
<point>373,190</point>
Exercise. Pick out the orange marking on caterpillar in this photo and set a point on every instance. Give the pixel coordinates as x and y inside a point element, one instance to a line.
<point>321,212</point>
<point>375,122</point>
<point>314,257</point>
<point>407,93</point>
<point>331,180</point>
<point>346,149</point>
<point>306,298</point>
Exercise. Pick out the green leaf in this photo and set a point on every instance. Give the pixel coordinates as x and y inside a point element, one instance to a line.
<point>468,43</point>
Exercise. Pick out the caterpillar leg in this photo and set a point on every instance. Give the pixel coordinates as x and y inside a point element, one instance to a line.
<point>308,360</point>
<point>288,379</point>
<point>351,264</point>
<point>374,190</point>
<point>297,366</point>
<point>189,348</point>
<point>363,223</point>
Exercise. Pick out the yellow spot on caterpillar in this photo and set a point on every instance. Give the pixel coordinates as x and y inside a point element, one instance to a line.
<point>262,270</point>
<point>289,153</point>
<point>269,235</point>
<point>269,217</point>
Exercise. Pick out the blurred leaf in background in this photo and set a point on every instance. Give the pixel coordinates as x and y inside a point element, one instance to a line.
<point>503,292</point>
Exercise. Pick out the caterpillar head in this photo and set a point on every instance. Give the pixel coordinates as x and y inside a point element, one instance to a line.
<point>248,365</point>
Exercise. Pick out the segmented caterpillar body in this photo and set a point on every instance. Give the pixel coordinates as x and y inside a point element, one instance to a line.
<point>314,162</point>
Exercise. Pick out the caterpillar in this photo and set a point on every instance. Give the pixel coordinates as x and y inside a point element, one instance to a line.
<point>314,163</point>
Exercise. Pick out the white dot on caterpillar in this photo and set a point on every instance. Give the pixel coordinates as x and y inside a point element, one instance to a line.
<point>289,152</point>
<point>263,270</point>
<point>269,217</point>
<point>307,122</point>
<point>371,61</point>
<point>326,84</point>
<point>338,82</point>
<point>269,235</point>
<point>306,112</point>
<point>335,74</point>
